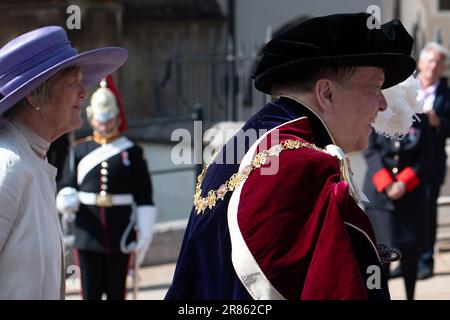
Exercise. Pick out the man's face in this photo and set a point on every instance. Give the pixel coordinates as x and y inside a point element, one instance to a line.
<point>105,128</point>
<point>431,66</point>
<point>355,106</point>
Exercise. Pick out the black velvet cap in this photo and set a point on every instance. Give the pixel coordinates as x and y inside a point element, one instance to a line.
<point>334,41</point>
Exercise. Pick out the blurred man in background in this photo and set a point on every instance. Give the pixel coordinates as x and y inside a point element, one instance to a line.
<point>436,96</point>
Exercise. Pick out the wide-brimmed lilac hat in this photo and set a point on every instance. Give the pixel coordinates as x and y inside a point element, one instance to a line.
<point>32,58</point>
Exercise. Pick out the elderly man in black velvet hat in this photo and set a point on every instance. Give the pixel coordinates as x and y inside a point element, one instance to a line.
<point>284,221</point>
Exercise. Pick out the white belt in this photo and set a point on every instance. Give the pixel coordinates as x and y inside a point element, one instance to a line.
<point>104,199</point>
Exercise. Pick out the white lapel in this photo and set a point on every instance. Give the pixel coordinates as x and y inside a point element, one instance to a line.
<point>347,173</point>
<point>100,154</point>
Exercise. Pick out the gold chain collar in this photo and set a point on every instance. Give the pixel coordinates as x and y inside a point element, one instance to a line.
<point>202,203</point>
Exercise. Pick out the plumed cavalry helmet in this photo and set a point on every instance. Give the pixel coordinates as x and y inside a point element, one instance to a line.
<point>103,104</point>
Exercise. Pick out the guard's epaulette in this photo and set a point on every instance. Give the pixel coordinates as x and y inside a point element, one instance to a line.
<point>81,140</point>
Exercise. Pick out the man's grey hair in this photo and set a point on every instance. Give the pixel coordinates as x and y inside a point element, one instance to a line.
<point>307,79</point>
<point>436,47</point>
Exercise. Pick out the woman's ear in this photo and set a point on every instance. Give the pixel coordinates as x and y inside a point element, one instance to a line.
<point>324,90</point>
<point>32,102</point>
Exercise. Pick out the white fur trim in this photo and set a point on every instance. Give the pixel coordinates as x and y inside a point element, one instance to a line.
<point>403,103</point>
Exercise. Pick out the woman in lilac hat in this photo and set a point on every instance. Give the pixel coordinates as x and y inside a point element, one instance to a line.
<point>43,81</point>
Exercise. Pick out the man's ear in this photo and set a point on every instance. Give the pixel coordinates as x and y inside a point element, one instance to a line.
<point>324,90</point>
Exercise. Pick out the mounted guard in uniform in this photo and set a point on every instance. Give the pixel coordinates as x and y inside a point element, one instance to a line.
<point>107,183</point>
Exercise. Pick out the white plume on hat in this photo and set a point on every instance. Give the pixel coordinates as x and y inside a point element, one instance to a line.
<point>403,103</point>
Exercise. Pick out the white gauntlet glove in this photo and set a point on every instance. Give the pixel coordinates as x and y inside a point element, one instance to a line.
<point>67,201</point>
<point>146,216</point>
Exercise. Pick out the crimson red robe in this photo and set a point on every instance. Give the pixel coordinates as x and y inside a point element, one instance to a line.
<point>295,234</point>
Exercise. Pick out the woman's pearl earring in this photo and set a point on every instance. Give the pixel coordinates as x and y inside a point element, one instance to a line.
<point>38,108</point>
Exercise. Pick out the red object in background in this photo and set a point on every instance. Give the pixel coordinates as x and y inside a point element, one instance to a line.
<point>382,179</point>
<point>111,86</point>
<point>409,177</point>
